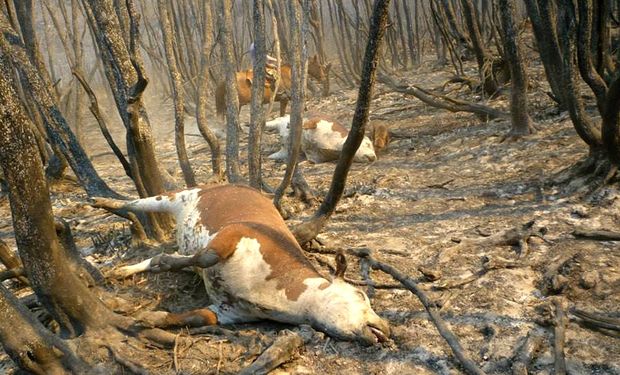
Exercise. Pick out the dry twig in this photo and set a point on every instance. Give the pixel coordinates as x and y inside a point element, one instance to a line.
<point>468,364</point>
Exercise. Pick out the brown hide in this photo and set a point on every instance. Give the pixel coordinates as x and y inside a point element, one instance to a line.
<point>244,85</point>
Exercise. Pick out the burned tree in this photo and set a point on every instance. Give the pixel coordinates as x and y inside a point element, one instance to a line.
<point>306,231</point>
<point>117,38</point>
<point>56,126</point>
<point>521,121</point>
<point>232,100</point>
<point>577,37</point>
<point>168,35</point>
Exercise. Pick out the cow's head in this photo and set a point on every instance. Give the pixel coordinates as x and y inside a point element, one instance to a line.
<point>366,152</point>
<point>344,311</point>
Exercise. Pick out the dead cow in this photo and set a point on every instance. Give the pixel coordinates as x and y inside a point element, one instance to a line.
<point>252,266</point>
<point>321,140</point>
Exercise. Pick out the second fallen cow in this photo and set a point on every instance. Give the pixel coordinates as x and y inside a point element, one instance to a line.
<point>321,140</point>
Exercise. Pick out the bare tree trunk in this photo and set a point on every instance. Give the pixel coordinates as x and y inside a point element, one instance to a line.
<point>74,308</point>
<point>548,45</point>
<point>521,122</point>
<point>257,120</point>
<point>482,55</point>
<point>309,229</point>
<point>168,35</point>
<point>299,58</point>
<point>232,98</point>
<point>57,127</point>
<point>201,105</point>
<point>123,68</point>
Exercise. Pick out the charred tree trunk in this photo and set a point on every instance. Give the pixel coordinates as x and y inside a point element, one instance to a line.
<point>232,100</point>
<point>548,45</point>
<point>257,120</point>
<point>122,63</point>
<point>299,57</point>
<point>30,345</point>
<point>56,125</point>
<point>483,57</point>
<point>309,229</point>
<point>521,122</point>
<point>168,36</point>
<point>201,101</point>
<point>55,278</point>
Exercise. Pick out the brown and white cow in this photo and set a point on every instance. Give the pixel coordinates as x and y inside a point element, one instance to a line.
<point>321,140</point>
<point>258,270</point>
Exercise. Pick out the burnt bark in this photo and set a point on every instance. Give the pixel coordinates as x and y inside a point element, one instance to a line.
<point>56,125</point>
<point>483,57</point>
<point>257,118</point>
<point>203,82</point>
<point>521,121</point>
<point>168,34</point>
<point>299,58</point>
<point>30,345</point>
<point>57,280</point>
<point>224,18</point>
<point>307,230</point>
<point>123,69</point>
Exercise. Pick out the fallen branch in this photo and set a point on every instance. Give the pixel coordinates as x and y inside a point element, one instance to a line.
<point>281,351</point>
<point>526,352</point>
<point>597,320</point>
<point>510,237</point>
<point>488,264</point>
<point>468,365</point>
<point>13,273</point>
<point>443,102</point>
<point>597,235</point>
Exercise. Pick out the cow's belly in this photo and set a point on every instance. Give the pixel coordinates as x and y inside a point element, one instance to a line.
<point>239,290</point>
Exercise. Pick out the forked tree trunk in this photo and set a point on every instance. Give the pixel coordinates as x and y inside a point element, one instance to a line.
<point>521,122</point>
<point>55,278</point>
<point>123,69</point>
<point>57,128</point>
<point>306,231</point>
<point>168,36</point>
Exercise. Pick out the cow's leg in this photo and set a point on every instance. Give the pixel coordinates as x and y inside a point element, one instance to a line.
<point>170,262</point>
<point>283,104</point>
<point>192,318</point>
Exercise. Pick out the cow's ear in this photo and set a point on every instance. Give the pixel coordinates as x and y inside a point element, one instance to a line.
<point>341,265</point>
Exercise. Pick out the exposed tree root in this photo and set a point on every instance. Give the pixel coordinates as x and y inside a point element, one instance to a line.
<point>586,177</point>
